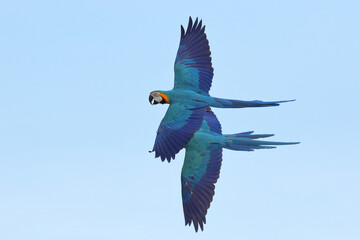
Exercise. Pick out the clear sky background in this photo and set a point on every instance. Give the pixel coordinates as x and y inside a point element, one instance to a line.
<point>76,124</point>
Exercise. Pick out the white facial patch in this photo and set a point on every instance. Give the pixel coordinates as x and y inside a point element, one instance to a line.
<point>156,96</point>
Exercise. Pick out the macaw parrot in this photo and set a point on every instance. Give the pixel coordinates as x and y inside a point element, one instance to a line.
<point>202,164</point>
<point>190,96</point>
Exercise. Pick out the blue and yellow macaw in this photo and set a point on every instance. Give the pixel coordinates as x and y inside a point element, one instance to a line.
<point>202,164</point>
<point>190,123</point>
<point>190,96</point>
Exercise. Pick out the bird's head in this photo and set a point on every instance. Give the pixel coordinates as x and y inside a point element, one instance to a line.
<point>156,97</point>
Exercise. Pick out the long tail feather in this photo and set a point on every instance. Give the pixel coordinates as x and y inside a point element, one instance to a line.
<point>229,103</point>
<point>245,141</point>
<point>249,134</point>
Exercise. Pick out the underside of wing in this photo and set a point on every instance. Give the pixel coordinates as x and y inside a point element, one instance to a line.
<point>211,121</point>
<point>176,129</point>
<point>193,69</point>
<point>200,172</point>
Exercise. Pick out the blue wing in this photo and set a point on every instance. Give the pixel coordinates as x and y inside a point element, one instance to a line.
<point>193,69</point>
<point>200,172</point>
<point>176,129</point>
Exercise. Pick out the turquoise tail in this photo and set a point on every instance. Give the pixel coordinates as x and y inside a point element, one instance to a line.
<point>228,103</point>
<point>245,141</point>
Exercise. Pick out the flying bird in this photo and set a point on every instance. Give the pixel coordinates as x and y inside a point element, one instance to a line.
<point>190,123</point>
<point>190,96</point>
<point>203,157</point>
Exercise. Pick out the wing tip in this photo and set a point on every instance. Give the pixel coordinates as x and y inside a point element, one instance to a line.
<point>190,24</point>
<point>196,26</point>
<point>182,32</point>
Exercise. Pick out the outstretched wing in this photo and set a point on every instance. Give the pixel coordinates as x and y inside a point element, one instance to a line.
<point>193,70</point>
<point>200,172</point>
<point>176,129</point>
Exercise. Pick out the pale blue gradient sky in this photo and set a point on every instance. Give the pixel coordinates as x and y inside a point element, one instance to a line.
<point>76,125</point>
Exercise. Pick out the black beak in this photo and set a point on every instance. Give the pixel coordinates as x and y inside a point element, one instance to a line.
<point>152,101</point>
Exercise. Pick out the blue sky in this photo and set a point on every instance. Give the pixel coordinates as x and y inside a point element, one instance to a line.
<point>76,125</point>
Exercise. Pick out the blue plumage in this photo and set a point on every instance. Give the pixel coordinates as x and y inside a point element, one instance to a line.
<point>230,103</point>
<point>193,78</point>
<point>193,69</point>
<point>172,134</point>
<point>202,164</point>
<point>190,123</point>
